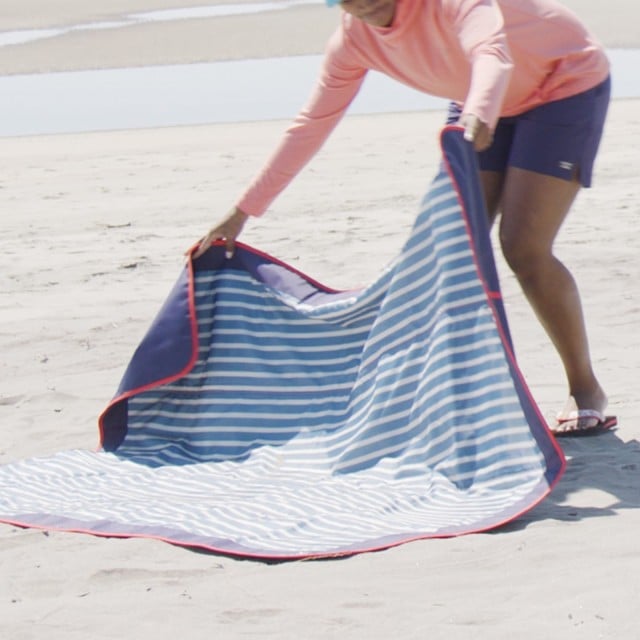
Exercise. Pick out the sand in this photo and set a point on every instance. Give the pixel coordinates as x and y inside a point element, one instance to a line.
<point>93,231</point>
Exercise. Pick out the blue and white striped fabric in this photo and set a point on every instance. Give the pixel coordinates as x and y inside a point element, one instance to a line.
<point>266,416</point>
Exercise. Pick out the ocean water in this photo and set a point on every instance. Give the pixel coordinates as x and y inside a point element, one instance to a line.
<point>230,91</point>
<point>167,15</point>
<point>162,96</point>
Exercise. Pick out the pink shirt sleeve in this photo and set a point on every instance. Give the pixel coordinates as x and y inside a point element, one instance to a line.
<point>335,89</point>
<point>480,30</point>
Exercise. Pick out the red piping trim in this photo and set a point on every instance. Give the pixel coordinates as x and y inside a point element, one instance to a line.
<point>281,557</point>
<point>166,380</point>
<point>271,258</point>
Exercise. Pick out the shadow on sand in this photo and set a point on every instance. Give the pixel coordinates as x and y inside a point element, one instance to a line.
<point>604,464</point>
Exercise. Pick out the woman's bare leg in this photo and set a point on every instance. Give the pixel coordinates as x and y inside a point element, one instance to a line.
<point>492,183</point>
<point>533,208</point>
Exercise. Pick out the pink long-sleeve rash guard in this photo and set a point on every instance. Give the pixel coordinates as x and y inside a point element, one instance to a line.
<point>497,58</point>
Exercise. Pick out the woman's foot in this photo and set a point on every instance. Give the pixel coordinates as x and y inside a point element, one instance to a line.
<point>584,414</point>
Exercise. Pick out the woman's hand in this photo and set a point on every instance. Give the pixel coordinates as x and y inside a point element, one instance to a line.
<point>476,131</point>
<point>228,230</point>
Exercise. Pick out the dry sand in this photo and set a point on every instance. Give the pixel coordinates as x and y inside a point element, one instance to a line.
<point>93,230</point>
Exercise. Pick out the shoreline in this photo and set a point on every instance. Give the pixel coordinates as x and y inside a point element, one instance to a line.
<point>192,95</point>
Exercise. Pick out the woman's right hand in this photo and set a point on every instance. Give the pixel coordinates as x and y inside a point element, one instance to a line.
<point>228,230</point>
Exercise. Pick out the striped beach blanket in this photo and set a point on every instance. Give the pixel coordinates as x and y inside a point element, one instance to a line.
<point>267,416</point>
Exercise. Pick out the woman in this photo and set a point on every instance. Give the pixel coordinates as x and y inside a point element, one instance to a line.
<point>530,86</point>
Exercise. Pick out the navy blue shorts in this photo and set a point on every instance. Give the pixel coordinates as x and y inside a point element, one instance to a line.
<point>559,138</point>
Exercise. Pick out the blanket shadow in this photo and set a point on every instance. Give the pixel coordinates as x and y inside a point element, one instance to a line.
<point>604,465</point>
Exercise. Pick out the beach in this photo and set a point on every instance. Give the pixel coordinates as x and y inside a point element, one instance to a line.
<point>94,230</point>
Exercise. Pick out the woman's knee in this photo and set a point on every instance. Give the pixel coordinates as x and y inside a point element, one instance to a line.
<point>524,255</point>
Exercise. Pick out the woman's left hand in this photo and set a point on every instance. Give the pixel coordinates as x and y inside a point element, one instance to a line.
<point>476,131</point>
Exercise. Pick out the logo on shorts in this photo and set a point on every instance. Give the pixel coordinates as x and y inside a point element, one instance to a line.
<point>563,164</point>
